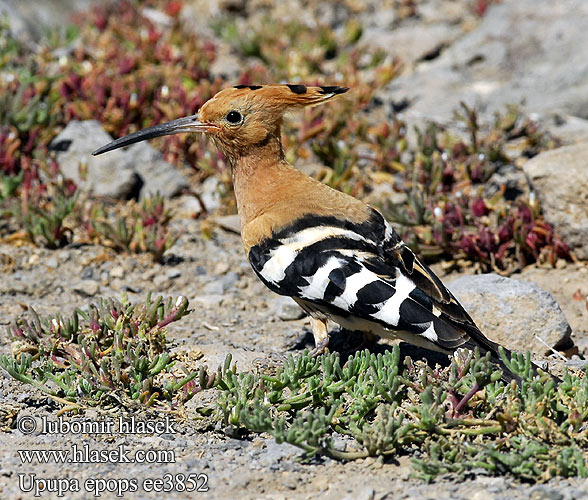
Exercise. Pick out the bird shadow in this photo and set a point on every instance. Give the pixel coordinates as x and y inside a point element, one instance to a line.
<point>348,342</point>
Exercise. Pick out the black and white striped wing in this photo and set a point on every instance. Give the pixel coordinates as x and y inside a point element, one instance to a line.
<point>364,274</point>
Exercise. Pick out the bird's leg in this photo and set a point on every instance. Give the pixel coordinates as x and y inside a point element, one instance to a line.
<point>320,334</point>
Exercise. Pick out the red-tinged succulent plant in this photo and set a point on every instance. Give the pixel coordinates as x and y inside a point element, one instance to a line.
<point>129,73</point>
<point>123,70</point>
<point>138,228</point>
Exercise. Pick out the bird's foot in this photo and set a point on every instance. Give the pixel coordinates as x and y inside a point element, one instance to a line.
<point>320,334</point>
<point>320,347</point>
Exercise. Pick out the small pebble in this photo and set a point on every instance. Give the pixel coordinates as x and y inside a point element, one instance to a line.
<point>34,259</point>
<point>210,300</point>
<point>174,273</point>
<point>482,495</point>
<point>51,262</point>
<point>25,396</point>
<point>88,288</point>
<point>221,268</point>
<point>287,310</point>
<point>63,255</point>
<point>230,223</point>
<point>88,273</point>
<point>214,287</point>
<point>161,281</point>
<point>545,493</point>
<point>222,284</point>
<point>117,272</point>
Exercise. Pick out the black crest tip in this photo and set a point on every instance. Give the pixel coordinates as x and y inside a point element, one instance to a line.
<point>297,89</point>
<point>333,89</point>
<point>250,87</point>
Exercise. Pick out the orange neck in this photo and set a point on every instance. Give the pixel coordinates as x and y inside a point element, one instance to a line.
<point>260,178</point>
<point>271,193</point>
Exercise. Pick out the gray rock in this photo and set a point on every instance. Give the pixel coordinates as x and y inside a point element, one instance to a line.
<point>122,173</point>
<point>215,355</point>
<point>560,178</point>
<point>24,397</point>
<point>161,281</point>
<point>29,21</point>
<point>213,287</point>
<point>230,279</point>
<point>108,175</point>
<point>174,273</point>
<point>286,309</point>
<point>210,194</point>
<point>198,16</point>
<point>51,262</point>
<point>569,129</point>
<point>157,175</point>
<point>222,284</point>
<point>209,301</point>
<point>543,492</point>
<point>512,312</point>
<point>514,180</point>
<point>482,495</point>
<point>230,223</point>
<point>87,288</point>
<point>64,255</point>
<point>89,273</point>
<point>274,453</point>
<point>117,272</point>
<point>532,50</point>
<point>189,206</point>
<point>412,42</point>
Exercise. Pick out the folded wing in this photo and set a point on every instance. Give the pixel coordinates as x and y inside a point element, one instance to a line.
<point>364,271</point>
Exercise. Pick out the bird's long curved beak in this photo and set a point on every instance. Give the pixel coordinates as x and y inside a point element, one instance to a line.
<point>186,124</point>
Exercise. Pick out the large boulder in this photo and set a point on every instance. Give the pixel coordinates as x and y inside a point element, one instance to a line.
<point>30,21</point>
<point>122,173</point>
<point>106,175</point>
<point>523,50</point>
<point>513,312</point>
<point>156,174</point>
<point>560,180</point>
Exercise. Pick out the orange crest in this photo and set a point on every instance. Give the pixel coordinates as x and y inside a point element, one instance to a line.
<point>283,96</point>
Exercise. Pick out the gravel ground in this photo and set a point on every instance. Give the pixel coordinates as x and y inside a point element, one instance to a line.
<point>234,313</point>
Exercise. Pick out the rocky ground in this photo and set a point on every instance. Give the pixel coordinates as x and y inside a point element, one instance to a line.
<point>520,49</point>
<point>233,313</point>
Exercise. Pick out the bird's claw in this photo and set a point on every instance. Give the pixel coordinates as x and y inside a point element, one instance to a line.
<point>320,347</point>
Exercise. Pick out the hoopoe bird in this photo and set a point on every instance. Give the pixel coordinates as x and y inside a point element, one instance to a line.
<point>337,257</point>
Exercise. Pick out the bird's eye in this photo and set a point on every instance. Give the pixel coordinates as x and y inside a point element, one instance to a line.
<point>234,117</point>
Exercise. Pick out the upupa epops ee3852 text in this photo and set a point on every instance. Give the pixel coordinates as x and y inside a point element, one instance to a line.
<point>334,255</point>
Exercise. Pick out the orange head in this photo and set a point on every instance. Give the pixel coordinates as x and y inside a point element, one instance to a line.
<point>238,118</point>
